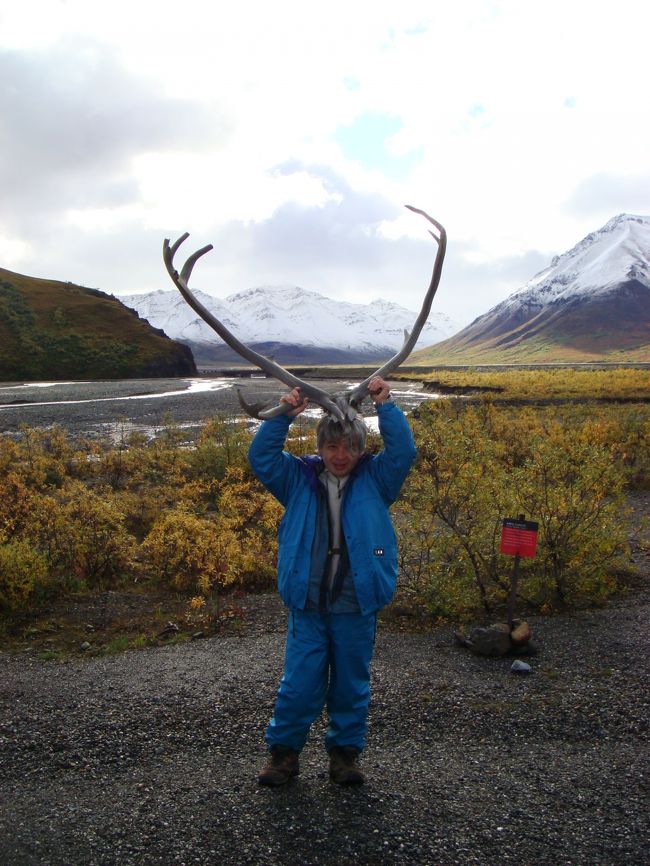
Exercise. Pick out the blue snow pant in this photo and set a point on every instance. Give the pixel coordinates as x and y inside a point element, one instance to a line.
<point>327,662</point>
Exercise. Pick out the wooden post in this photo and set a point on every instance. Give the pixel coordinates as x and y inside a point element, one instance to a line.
<point>514,579</point>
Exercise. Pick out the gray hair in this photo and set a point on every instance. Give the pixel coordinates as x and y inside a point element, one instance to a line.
<point>331,430</point>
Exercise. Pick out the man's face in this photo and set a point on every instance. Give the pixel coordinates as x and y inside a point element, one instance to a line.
<point>339,457</point>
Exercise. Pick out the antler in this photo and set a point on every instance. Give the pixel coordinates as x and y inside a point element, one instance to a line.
<point>356,396</point>
<point>342,408</point>
<point>316,395</point>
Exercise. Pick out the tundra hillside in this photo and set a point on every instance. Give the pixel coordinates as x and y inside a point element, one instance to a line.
<point>53,330</point>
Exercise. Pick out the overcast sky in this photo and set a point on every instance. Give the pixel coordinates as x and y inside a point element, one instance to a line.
<point>291,134</point>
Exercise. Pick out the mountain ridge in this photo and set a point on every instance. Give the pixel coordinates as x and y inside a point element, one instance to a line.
<point>591,303</point>
<point>302,326</point>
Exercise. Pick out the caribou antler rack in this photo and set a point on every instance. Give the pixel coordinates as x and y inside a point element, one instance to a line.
<point>345,407</point>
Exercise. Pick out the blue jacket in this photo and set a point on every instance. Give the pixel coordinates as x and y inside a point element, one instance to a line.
<point>369,535</point>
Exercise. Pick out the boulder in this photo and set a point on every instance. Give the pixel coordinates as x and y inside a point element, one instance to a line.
<point>498,639</point>
<point>501,626</point>
<point>492,641</point>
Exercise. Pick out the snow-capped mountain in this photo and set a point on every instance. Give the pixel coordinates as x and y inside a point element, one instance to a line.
<point>618,252</point>
<point>592,301</point>
<point>292,323</point>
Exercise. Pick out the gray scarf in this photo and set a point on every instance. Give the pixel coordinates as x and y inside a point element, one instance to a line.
<point>334,487</point>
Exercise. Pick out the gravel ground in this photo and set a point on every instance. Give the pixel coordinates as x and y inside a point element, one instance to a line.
<point>151,757</point>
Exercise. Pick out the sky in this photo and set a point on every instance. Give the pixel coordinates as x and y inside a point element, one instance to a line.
<point>291,134</point>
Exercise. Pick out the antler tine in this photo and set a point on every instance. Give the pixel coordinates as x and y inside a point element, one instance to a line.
<point>316,395</point>
<point>357,394</point>
<point>192,260</point>
<point>262,411</point>
<point>176,244</point>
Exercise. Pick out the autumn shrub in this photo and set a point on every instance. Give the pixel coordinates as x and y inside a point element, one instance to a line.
<point>16,503</point>
<point>23,571</point>
<point>449,516</point>
<point>222,444</point>
<point>580,384</point>
<point>189,516</point>
<point>614,398</point>
<point>301,438</point>
<point>144,476</point>
<point>185,552</point>
<point>252,515</point>
<point>574,489</point>
<point>81,533</point>
<point>233,546</point>
<point>630,441</point>
<point>476,467</point>
<point>46,456</point>
<point>41,462</point>
<point>154,465</point>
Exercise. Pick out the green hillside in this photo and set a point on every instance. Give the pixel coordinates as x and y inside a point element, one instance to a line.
<point>55,330</point>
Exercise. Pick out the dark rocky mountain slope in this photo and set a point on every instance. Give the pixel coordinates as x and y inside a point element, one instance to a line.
<point>591,304</point>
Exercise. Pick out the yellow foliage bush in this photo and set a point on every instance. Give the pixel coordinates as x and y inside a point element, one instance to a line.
<point>234,545</point>
<point>191,517</point>
<point>477,466</point>
<point>82,534</point>
<point>545,384</point>
<point>573,487</point>
<point>222,444</point>
<point>185,552</point>
<point>22,571</point>
<point>16,504</point>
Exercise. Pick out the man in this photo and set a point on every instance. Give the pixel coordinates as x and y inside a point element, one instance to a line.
<point>337,566</point>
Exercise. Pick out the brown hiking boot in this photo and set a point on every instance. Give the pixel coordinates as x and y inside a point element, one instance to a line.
<point>344,766</point>
<point>282,766</point>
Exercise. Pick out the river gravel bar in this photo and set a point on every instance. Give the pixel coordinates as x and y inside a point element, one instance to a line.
<point>112,408</point>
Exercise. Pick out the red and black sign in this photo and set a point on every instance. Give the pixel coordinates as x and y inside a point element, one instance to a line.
<point>518,537</point>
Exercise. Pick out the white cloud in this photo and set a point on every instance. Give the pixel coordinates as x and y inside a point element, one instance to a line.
<point>607,193</point>
<point>521,126</point>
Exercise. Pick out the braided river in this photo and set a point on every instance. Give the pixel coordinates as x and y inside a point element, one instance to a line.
<point>115,408</point>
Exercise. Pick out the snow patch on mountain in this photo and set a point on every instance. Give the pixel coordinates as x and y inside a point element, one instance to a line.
<point>290,315</point>
<point>599,263</point>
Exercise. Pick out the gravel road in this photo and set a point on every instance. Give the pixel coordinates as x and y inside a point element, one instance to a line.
<point>150,757</point>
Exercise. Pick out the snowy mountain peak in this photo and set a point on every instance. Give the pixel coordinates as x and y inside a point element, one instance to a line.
<point>618,228</point>
<point>616,253</point>
<point>625,218</point>
<point>591,304</point>
<point>290,315</point>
